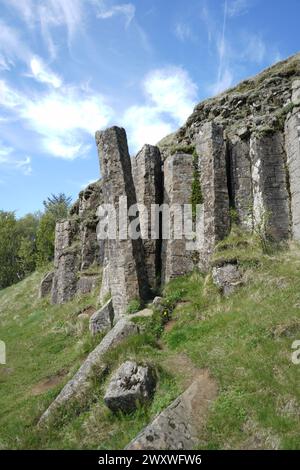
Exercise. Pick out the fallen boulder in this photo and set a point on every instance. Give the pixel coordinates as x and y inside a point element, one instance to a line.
<point>178,427</point>
<point>102,320</point>
<point>131,385</point>
<point>46,285</point>
<point>80,383</point>
<point>227,278</point>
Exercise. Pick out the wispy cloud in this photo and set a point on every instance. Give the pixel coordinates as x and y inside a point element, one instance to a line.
<point>183,32</point>
<point>40,72</point>
<point>9,160</point>
<point>126,9</point>
<point>238,7</point>
<point>63,118</point>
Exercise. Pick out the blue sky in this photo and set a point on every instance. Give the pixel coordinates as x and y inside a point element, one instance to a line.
<point>70,67</point>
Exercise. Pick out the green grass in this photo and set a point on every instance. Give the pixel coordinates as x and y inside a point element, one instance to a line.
<point>244,340</point>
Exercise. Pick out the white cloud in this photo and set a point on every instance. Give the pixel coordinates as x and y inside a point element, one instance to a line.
<point>172,91</point>
<point>41,73</point>
<point>256,49</point>
<point>12,47</point>
<point>125,9</point>
<point>63,118</point>
<point>170,97</point>
<point>183,32</point>
<point>145,125</point>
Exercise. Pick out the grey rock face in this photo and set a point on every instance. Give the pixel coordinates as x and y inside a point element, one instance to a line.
<point>269,182</point>
<point>296,92</point>
<point>178,176</point>
<point>103,319</point>
<point>292,143</point>
<point>127,271</point>
<point>79,384</point>
<point>240,179</point>
<point>178,427</point>
<point>77,248</point>
<point>130,385</point>
<point>227,278</point>
<point>86,284</point>
<point>46,285</point>
<point>211,151</point>
<point>148,181</point>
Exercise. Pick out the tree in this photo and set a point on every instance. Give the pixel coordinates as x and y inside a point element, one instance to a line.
<point>9,247</point>
<point>58,205</point>
<point>45,239</point>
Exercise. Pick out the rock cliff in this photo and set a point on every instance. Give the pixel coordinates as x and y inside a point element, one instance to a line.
<point>237,156</point>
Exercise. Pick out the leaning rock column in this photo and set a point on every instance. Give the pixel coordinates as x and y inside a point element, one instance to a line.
<point>211,150</point>
<point>178,176</point>
<point>147,177</point>
<point>269,182</point>
<point>292,145</point>
<point>127,272</point>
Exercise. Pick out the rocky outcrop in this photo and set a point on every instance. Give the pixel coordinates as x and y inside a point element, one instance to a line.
<point>211,151</point>
<point>130,386</point>
<point>269,183</point>
<point>292,142</point>
<point>127,271</point>
<point>179,426</point>
<point>46,285</point>
<point>103,319</point>
<point>77,248</point>
<point>148,182</point>
<point>227,278</point>
<point>78,386</point>
<point>178,176</point>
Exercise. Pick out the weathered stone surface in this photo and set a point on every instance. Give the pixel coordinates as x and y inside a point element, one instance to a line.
<point>77,247</point>
<point>292,145</point>
<point>146,312</point>
<point>179,426</point>
<point>86,283</point>
<point>178,176</point>
<point>103,319</point>
<point>269,183</point>
<point>211,150</point>
<point>132,384</point>
<point>64,286</point>
<point>296,92</point>
<point>148,181</point>
<point>46,285</point>
<point>227,278</point>
<point>127,271</point>
<point>240,179</point>
<point>79,384</point>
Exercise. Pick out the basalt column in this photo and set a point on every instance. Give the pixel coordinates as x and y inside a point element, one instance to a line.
<point>211,150</point>
<point>239,176</point>
<point>178,176</point>
<point>148,180</point>
<point>66,262</point>
<point>270,186</point>
<point>292,140</point>
<point>127,272</point>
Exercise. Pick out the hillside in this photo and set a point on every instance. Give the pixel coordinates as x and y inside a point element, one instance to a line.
<point>244,340</point>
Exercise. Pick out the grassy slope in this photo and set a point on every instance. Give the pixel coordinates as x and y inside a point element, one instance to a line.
<point>244,340</point>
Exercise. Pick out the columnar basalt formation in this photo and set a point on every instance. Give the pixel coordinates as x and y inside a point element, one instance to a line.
<point>178,175</point>
<point>127,271</point>
<point>269,183</point>
<point>148,181</point>
<point>211,150</point>
<point>77,248</point>
<point>292,139</point>
<point>240,181</point>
